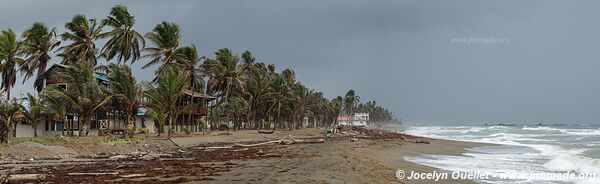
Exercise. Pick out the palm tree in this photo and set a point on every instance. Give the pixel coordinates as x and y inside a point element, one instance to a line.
<point>55,107</point>
<point>9,56</point>
<point>35,113</point>
<point>188,60</point>
<point>82,33</point>
<point>350,102</point>
<point>38,42</point>
<point>125,91</point>
<point>165,95</point>
<point>165,38</point>
<point>337,105</point>
<point>84,94</point>
<point>159,115</point>
<point>225,75</point>
<point>8,110</point>
<point>124,40</point>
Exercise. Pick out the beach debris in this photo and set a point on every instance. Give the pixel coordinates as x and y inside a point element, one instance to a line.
<point>22,177</point>
<point>266,131</point>
<point>280,141</point>
<point>132,175</point>
<point>353,139</point>
<point>421,141</point>
<point>92,174</point>
<point>118,157</point>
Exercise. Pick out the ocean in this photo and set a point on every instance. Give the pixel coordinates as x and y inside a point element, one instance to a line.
<point>535,154</point>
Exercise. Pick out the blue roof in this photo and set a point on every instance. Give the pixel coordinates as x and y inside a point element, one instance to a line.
<point>98,76</point>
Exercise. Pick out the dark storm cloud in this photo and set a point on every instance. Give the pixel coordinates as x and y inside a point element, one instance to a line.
<point>398,53</point>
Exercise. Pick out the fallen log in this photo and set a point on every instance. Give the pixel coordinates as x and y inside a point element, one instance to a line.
<point>259,144</point>
<point>25,177</point>
<point>300,141</point>
<point>266,131</point>
<point>132,175</point>
<point>92,174</point>
<point>216,147</point>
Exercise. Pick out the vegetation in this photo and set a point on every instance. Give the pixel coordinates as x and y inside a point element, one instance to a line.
<point>247,93</point>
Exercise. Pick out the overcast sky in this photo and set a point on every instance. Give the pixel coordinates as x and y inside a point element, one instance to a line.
<point>428,61</point>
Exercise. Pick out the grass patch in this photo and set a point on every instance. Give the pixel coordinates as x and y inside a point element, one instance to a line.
<point>114,141</point>
<point>45,140</point>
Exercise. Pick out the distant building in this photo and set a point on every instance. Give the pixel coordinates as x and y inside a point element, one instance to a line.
<point>359,119</point>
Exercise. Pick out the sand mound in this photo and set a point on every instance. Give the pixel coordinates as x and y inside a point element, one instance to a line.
<point>27,150</point>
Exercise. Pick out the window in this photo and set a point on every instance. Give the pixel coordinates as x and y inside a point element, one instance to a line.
<point>62,85</point>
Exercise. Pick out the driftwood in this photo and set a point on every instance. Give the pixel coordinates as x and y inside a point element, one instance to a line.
<point>92,174</point>
<point>23,177</point>
<point>259,144</point>
<point>132,175</point>
<point>266,131</point>
<point>299,141</point>
<point>280,141</point>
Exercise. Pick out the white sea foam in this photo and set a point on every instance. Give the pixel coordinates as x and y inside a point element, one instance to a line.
<point>550,149</point>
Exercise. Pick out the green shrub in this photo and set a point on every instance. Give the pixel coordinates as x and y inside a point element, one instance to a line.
<point>186,130</point>
<point>114,141</point>
<point>48,140</point>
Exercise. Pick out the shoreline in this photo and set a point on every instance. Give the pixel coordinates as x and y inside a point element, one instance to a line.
<point>363,156</point>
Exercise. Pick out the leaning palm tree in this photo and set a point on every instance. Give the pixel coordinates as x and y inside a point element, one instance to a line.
<point>124,42</point>
<point>35,113</point>
<point>165,38</point>
<point>38,42</point>
<point>82,33</point>
<point>8,110</point>
<point>84,95</point>
<point>124,90</point>
<point>9,58</point>
<point>165,94</point>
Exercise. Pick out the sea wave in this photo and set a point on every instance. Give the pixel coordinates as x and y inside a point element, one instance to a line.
<point>551,149</point>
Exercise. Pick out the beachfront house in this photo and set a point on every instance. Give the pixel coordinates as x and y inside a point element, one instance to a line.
<point>110,120</point>
<point>359,119</point>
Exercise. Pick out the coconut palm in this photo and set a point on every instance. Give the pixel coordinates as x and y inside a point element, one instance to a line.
<point>165,38</point>
<point>8,110</point>
<point>165,94</point>
<point>83,33</point>
<point>224,74</point>
<point>35,113</point>
<point>336,105</point>
<point>350,102</point>
<point>124,90</point>
<point>84,95</point>
<point>124,42</point>
<point>159,115</point>
<point>38,42</point>
<point>188,60</point>
<point>55,107</point>
<point>10,59</point>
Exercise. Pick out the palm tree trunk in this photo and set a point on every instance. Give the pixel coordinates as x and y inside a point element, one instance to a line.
<point>170,131</point>
<point>34,124</point>
<point>4,133</point>
<point>14,130</point>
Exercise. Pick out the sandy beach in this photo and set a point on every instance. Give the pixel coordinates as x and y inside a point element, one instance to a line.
<point>300,156</point>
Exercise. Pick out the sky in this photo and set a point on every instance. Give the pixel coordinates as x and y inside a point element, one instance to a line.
<point>432,61</point>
